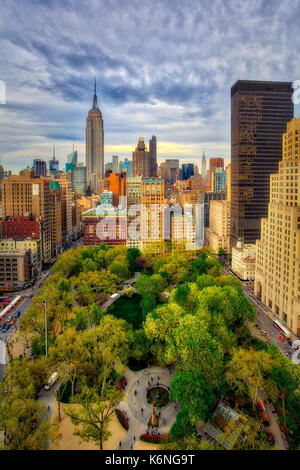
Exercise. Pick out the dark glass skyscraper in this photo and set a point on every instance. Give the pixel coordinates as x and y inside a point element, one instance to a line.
<point>259,114</point>
<point>187,170</point>
<point>153,156</point>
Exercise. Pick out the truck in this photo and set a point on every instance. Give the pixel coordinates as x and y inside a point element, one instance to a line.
<point>54,377</point>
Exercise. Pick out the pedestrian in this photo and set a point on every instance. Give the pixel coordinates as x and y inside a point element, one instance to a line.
<point>131,447</point>
<point>159,414</point>
<point>151,379</point>
<point>148,383</point>
<point>135,392</point>
<point>134,438</point>
<point>142,410</point>
<point>120,444</point>
<point>138,382</point>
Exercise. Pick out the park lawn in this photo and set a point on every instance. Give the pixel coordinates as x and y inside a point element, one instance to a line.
<point>128,309</point>
<point>70,442</point>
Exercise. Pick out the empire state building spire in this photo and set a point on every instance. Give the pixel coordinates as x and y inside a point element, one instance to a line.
<point>95,101</point>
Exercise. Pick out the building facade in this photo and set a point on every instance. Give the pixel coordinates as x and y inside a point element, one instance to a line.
<point>217,235</point>
<point>277,274</point>
<point>259,114</point>
<point>243,261</point>
<point>141,160</point>
<point>29,195</point>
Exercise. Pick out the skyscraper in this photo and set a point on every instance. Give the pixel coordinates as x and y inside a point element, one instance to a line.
<point>141,160</point>
<point>72,157</point>
<point>115,164</point>
<point>214,163</point>
<point>203,168</point>
<point>259,114</point>
<point>277,270</point>
<point>187,170</point>
<point>153,156</point>
<point>94,146</point>
<point>40,167</point>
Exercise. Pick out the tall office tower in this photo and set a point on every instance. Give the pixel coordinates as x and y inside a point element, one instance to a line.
<point>152,217</point>
<point>79,179</point>
<point>53,167</point>
<point>277,273</point>
<point>116,183</point>
<point>187,170</point>
<point>56,219</point>
<point>115,164</point>
<point>153,156</point>
<point>203,168</point>
<point>168,169</point>
<point>26,195</point>
<point>40,167</point>
<point>66,211</point>
<point>259,114</point>
<point>72,157</point>
<point>218,180</point>
<point>94,152</point>
<point>140,160</point>
<point>214,163</point>
<point>228,181</point>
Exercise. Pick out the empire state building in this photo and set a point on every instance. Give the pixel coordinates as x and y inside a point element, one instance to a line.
<point>94,150</point>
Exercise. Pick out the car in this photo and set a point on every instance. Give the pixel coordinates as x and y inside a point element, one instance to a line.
<point>282,338</point>
<point>13,321</point>
<point>17,314</point>
<point>6,327</point>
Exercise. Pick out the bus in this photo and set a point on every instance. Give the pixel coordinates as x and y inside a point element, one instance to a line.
<point>54,377</point>
<point>283,329</point>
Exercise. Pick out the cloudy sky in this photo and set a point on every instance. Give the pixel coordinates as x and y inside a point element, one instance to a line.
<point>163,67</point>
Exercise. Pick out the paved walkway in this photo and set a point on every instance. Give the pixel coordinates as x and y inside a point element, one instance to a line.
<point>133,404</point>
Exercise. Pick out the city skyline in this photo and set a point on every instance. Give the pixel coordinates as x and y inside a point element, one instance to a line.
<point>180,93</point>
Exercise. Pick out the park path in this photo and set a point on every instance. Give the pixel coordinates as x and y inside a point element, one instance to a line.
<point>133,404</point>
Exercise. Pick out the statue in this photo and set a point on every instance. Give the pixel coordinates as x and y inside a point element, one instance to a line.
<point>154,418</point>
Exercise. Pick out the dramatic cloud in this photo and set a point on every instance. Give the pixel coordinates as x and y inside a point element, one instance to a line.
<point>163,67</point>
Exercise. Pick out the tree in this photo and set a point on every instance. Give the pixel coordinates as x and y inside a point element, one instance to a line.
<point>246,372</point>
<point>132,255</point>
<point>286,384</point>
<point>89,265</point>
<point>198,350</point>
<point>25,421</point>
<point>188,443</point>
<point>80,321</point>
<point>182,427</point>
<point>68,356</point>
<point>149,284</point>
<point>120,269</point>
<point>96,314</point>
<point>195,396</point>
<point>96,409</point>
<point>128,292</point>
<point>205,280</point>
